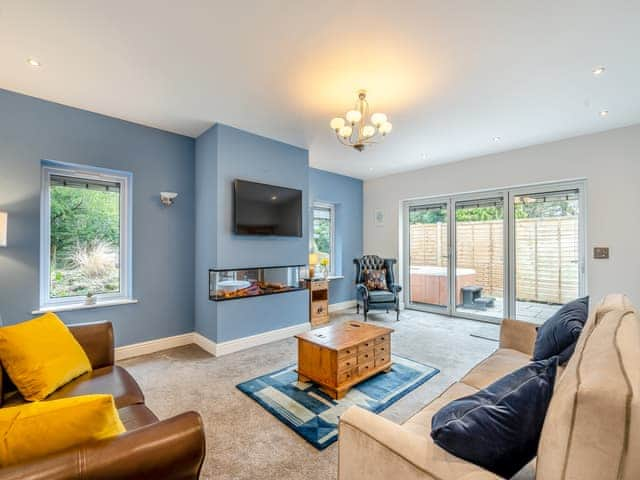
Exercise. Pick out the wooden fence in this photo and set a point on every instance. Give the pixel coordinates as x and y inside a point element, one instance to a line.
<point>547,255</point>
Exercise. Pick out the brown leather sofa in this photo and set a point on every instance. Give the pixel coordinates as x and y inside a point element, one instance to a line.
<point>171,449</point>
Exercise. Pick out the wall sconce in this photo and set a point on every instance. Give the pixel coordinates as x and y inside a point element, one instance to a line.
<point>3,228</point>
<point>167,198</point>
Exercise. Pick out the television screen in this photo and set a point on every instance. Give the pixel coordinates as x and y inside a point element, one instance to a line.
<point>261,209</point>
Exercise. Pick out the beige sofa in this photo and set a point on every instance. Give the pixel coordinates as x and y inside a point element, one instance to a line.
<point>592,427</point>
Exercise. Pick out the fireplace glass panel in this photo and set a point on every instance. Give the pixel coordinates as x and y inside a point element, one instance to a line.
<point>251,282</point>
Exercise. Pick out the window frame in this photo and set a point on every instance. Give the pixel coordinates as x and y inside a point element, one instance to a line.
<point>85,172</point>
<point>332,232</point>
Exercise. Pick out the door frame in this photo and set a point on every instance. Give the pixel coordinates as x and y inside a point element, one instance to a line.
<point>509,287</point>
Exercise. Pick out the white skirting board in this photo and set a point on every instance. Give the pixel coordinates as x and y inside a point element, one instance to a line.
<point>216,349</point>
<point>336,307</point>
<point>151,346</point>
<point>223,348</point>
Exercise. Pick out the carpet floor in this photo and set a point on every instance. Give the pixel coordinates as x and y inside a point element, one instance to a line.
<point>246,442</point>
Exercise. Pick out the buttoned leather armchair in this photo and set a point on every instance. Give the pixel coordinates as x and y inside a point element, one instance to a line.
<point>376,299</point>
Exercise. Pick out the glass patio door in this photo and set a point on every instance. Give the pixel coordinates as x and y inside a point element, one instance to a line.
<point>427,258</point>
<point>479,259</point>
<point>548,250</point>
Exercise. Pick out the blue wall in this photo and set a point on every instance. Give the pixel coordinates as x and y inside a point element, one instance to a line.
<point>163,238</point>
<point>224,154</point>
<point>173,248</point>
<point>346,194</point>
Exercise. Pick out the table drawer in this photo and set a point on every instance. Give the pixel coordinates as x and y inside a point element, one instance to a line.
<point>383,349</point>
<point>382,339</point>
<point>366,356</point>
<point>319,285</point>
<point>365,368</point>
<point>347,363</point>
<point>366,346</point>
<point>347,375</point>
<point>347,352</point>
<point>381,360</point>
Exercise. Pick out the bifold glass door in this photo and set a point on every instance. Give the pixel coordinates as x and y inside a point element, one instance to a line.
<point>429,256</point>
<point>513,253</point>
<point>480,257</point>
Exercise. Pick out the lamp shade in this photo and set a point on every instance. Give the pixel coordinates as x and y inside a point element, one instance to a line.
<point>3,229</point>
<point>313,259</point>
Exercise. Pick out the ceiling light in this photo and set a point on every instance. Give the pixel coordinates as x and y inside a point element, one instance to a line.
<point>353,130</point>
<point>33,62</point>
<point>604,113</point>
<point>497,139</point>
<point>598,71</point>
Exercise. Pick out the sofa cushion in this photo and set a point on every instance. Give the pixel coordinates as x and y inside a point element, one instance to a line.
<point>592,428</point>
<point>559,334</point>
<point>35,429</point>
<point>499,427</point>
<point>136,416</point>
<point>420,423</point>
<point>494,367</point>
<point>113,380</point>
<point>40,355</point>
<point>379,296</point>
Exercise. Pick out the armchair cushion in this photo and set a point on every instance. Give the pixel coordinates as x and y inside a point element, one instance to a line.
<point>41,355</point>
<point>36,429</point>
<point>376,279</point>
<point>381,296</point>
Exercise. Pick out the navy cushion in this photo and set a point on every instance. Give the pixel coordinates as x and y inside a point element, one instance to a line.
<point>559,334</point>
<point>499,427</point>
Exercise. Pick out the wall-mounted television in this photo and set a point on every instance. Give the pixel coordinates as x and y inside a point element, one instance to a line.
<point>261,209</point>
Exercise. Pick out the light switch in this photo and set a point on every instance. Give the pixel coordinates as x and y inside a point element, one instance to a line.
<point>601,252</point>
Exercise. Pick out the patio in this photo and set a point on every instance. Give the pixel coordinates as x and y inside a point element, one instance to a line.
<point>528,311</point>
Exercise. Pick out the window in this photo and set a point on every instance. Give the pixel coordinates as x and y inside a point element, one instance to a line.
<point>85,248</point>
<point>324,234</point>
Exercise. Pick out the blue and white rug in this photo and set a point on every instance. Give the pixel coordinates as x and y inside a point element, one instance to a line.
<point>314,415</point>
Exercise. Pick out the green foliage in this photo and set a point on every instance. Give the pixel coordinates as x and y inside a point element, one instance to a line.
<point>553,208</point>
<point>322,235</point>
<point>81,217</point>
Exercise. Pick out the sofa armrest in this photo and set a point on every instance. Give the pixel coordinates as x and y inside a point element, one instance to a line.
<point>395,288</point>
<point>518,335</point>
<point>375,448</point>
<point>97,341</point>
<point>173,449</point>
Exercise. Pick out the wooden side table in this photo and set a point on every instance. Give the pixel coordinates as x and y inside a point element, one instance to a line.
<point>318,301</point>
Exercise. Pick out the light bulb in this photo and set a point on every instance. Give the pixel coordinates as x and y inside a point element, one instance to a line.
<point>345,132</point>
<point>353,116</point>
<point>368,131</point>
<point>337,123</point>
<point>385,128</point>
<point>378,119</point>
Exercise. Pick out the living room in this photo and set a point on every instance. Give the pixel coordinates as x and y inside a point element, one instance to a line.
<point>319,241</point>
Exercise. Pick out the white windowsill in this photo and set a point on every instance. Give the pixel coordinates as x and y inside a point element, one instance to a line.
<point>82,306</point>
<point>330,277</point>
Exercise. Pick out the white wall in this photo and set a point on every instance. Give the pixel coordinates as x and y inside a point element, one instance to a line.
<point>610,162</point>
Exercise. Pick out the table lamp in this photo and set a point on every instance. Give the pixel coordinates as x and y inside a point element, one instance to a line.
<point>313,261</point>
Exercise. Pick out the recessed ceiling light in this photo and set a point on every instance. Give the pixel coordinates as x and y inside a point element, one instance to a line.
<point>604,113</point>
<point>598,71</point>
<point>497,139</point>
<point>33,62</point>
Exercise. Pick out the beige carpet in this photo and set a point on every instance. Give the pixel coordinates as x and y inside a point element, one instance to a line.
<point>244,441</point>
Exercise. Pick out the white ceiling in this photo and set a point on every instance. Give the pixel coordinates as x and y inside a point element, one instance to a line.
<point>450,74</point>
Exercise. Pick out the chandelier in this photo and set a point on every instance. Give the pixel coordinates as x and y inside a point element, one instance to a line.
<point>354,131</point>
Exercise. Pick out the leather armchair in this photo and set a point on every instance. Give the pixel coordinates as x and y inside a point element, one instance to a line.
<point>376,299</point>
<point>171,449</point>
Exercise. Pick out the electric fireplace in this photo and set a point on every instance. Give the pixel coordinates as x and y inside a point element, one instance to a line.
<point>228,284</point>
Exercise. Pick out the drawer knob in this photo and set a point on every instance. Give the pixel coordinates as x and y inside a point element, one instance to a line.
<point>366,355</point>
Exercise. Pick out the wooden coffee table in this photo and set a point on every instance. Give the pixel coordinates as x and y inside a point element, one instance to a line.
<point>340,356</point>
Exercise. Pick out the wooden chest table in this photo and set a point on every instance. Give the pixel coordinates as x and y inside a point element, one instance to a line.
<point>339,356</point>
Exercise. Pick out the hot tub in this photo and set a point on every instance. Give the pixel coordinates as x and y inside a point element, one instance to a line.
<point>429,284</point>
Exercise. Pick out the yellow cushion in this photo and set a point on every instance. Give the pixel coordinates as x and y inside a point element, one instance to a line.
<point>41,355</point>
<point>35,429</point>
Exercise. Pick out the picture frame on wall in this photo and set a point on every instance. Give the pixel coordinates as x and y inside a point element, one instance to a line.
<point>378,217</point>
